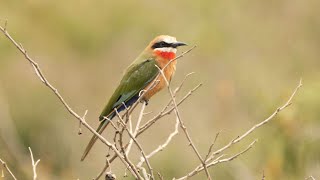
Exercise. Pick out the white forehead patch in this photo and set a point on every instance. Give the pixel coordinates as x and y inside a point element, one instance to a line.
<point>169,39</point>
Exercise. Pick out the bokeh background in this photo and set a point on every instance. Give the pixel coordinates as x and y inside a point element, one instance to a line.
<point>250,57</point>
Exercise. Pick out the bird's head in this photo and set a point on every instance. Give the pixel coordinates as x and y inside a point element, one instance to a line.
<point>165,46</point>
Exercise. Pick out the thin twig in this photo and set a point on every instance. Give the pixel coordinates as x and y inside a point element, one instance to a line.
<point>310,178</point>
<point>131,165</point>
<point>43,79</point>
<point>136,129</point>
<point>5,166</point>
<point>211,146</point>
<point>238,139</point>
<point>152,121</point>
<point>34,164</point>
<point>80,123</point>
<point>163,113</point>
<point>183,127</point>
<point>137,144</point>
<point>216,161</point>
<point>162,146</point>
<point>160,176</point>
<point>244,135</point>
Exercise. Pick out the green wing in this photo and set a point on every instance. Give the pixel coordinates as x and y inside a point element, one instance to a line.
<point>135,79</point>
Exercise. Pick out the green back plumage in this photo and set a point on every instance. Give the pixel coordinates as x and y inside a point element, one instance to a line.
<point>139,74</point>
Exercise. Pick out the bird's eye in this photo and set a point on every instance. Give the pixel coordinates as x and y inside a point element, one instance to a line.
<point>161,44</point>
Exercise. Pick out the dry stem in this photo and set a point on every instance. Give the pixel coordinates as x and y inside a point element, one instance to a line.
<point>5,166</point>
<point>44,80</point>
<point>34,164</point>
<point>183,127</point>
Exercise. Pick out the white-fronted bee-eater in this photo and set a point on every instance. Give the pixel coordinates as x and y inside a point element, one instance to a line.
<point>138,77</point>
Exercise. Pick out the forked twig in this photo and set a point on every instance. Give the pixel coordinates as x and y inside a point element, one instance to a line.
<point>34,164</point>
<point>183,127</point>
<point>210,161</point>
<point>218,160</point>
<point>44,80</point>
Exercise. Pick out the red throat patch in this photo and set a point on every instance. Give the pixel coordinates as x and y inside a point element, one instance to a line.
<point>166,55</point>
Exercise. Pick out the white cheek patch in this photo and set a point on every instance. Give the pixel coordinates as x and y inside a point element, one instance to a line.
<point>166,49</point>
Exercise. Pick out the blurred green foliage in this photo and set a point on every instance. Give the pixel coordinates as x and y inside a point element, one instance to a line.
<point>250,56</point>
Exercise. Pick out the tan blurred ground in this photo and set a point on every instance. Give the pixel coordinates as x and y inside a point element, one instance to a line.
<point>250,56</point>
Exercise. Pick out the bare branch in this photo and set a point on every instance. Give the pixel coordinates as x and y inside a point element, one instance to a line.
<point>161,147</point>
<point>183,127</point>
<point>43,79</point>
<point>137,144</point>
<point>4,166</point>
<point>160,176</point>
<point>34,164</point>
<point>310,178</point>
<point>130,164</point>
<point>80,123</point>
<point>217,161</point>
<point>164,113</point>
<point>238,139</point>
<point>210,161</point>
<point>180,56</point>
<point>211,146</point>
<point>136,129</point>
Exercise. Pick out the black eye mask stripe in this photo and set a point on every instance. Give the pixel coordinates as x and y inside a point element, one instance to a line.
<point>161,44</point>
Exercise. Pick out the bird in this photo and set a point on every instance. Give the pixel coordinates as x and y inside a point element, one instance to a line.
<point>142,75</point>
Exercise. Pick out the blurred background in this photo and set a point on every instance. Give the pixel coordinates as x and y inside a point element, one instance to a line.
<point>250,57</point>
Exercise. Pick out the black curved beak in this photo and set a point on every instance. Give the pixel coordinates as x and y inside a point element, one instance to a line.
<point>177,44</point>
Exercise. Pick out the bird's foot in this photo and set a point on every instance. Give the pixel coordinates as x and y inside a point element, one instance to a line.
<point>146,102</point>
